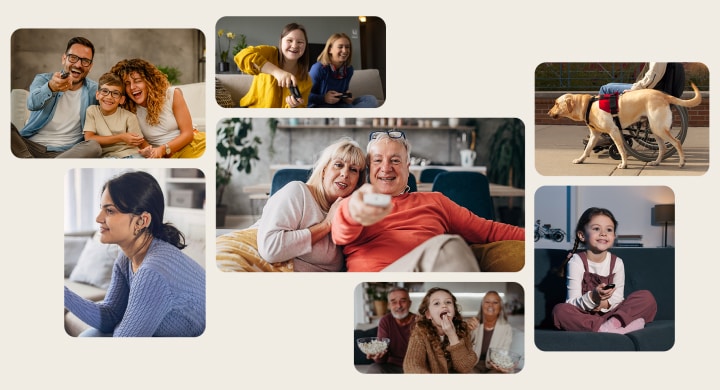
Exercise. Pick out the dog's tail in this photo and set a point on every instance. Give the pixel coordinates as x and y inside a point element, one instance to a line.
<point>687,103</point>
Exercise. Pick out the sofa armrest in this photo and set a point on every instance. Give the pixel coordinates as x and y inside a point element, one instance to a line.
<point>237,85</point>
<point>367,82</point>
<point>194,95</point>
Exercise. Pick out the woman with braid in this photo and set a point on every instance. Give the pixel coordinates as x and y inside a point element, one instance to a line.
<point>596,281</point>
<point>155,289</point>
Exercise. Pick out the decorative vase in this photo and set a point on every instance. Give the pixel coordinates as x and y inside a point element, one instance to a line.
<point>453,122</point>
<point>223,66</point>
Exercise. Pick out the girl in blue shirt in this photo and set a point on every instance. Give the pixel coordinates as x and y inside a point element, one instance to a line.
<point>331,76</point>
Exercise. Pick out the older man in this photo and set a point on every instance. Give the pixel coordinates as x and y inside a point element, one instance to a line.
<point>57,103</point>
<point>395,325</point>
<point>419,231</point>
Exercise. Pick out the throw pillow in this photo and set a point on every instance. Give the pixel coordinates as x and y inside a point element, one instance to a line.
<point>500,256</point>
<point>95,263</point>
<point>222,95</point>
<point>73,248</point>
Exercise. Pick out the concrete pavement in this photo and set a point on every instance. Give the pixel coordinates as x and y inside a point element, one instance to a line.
<point>557,146</point>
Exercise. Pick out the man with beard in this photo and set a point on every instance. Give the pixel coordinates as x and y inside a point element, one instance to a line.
<point>57,103</point>
<point>395,325</point>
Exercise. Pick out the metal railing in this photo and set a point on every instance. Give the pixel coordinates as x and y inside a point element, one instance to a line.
<point>577,76</point>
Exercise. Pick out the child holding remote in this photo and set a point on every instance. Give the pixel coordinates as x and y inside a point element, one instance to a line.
<point>596,281</point>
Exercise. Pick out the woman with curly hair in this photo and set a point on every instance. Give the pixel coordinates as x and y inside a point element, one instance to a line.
<point>161,109</point>
<point>277,71</point>
<point>440,342</point>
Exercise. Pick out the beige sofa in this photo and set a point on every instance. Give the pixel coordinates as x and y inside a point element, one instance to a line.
<point>194,94</point>
<point>363,82</point>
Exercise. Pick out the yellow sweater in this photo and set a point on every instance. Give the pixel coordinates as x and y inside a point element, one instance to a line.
<point>264,91</point>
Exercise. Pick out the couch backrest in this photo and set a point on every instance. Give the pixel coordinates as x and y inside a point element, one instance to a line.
<point>18,110</point>
<point>194,95</point>
<point>364,82</point>
<point>645,269</point>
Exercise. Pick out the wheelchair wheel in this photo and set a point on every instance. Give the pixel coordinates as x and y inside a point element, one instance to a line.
<point>614,153</point>
<point>641,143</point>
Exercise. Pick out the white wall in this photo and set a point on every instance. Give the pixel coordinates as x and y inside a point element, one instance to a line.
<point>561,206</point>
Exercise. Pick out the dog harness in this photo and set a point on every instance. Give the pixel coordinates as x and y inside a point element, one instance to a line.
<point>608,103</point>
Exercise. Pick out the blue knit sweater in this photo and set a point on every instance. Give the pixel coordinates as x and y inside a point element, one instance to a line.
<point>165,297</point>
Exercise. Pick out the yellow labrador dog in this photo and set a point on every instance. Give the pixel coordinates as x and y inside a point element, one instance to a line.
<point>632,105</point>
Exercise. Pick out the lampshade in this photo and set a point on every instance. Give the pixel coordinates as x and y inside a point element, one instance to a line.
<point>663,213</point>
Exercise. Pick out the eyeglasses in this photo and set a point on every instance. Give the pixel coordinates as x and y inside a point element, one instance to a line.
<point>114,94</point>
<point>390,133</point>
<point>73,59</point>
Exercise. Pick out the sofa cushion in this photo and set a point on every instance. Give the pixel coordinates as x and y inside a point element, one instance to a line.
<point>19,112</point>
<point>95,264</point>
<point>558,340</point>
<point>194,94</point>
<point>500,256</point>
<point>73,249</point>
<point>222,95</point>
<point>363,82</point>
<point>658,335</point>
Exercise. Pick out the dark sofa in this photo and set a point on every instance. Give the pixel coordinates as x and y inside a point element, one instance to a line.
<point>645,269</point>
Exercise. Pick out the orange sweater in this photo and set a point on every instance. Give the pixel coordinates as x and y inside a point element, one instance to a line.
<point>416,217</point>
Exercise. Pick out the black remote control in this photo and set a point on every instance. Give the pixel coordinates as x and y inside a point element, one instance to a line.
<point>295,92</point>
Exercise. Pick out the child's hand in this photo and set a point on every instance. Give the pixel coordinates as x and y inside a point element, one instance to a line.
<point>132,139</point>
<point>284,79</point>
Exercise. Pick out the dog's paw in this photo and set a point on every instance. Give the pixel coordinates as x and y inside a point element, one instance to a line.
<point>622,165</point>
<point>681,164</point>
<point>653,163</point>
<point>578,161</point>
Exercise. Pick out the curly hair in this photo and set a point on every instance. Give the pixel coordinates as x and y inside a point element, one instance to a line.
<point>427,329</point>
<point>156,84</point>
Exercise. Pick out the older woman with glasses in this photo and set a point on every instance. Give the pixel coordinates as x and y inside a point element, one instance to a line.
<point>415,231</point>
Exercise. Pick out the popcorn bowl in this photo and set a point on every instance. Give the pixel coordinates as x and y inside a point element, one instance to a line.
<point>503,359</point>
<point>373,345</point>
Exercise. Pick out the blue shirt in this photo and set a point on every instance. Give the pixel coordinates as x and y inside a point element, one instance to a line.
<point>42,103</point>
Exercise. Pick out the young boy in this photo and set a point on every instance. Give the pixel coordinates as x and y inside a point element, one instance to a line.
<point>116,129</point>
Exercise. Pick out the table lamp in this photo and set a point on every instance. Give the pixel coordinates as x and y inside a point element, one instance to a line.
<point>662,215</point>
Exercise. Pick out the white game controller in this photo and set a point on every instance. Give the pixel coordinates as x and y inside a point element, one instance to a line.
<point>380,200</point>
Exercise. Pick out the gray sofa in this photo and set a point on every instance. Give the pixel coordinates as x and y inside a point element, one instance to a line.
<point>650,269</point>
<point>363,82</point>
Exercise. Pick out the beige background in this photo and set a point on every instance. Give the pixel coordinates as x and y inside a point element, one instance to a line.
<point>285,330</point>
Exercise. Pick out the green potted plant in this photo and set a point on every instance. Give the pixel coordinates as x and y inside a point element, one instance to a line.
<point>506,165</point>
<point>241,44</point>
<point>237,150</point>
<point>172,73</point>
<point>378,295</point>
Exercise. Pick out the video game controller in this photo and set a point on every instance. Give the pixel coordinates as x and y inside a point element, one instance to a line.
<point>380,200</point>
<point>64,74</point>
<point>295,92</point>
<point>346,95</point>
<point>609,286</point>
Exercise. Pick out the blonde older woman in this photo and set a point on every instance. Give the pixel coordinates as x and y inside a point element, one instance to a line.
<point>293,233</point>
<point>493,331</point>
